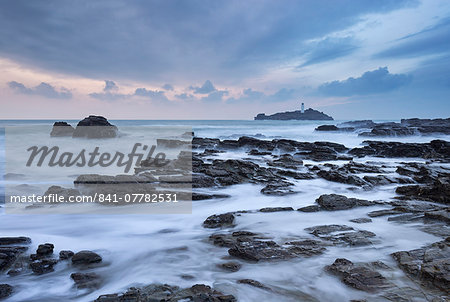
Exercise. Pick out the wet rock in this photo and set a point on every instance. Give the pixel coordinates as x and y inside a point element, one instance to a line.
<point>65,255</point>
<point>9,254</point>
<point>335,202</point>
<point>205,196</point>
<point>436,149</point>
<point>62,129</point>
<point>361,220</point>
<point>341,177</point>
<point>358,277</point>
<point>230,266</point>
<point>307,248</point>
<point>380,213</point>
<point>389,129</point>
<point>309,209</point>
<point>95,127</point>
<point>327,128</point>
<point>278,189</point>
<point>5,291</point>
<point>258,250</point>
<point>256,152</point>
<point>44,250</point>
<point>406,217</point>
<point>202,181</point>
<point>86,257</point>
<point>441,215</point>
<point>342,234</point>
<point>14,240</point>
<point>253,283</point>
<point>286,161</point>
<point>437,192</point>
<point>276,209</point>
<point>43,266</point>
<point>86,280</point>
<point>429,265</point>
<point>167,293</point>
<point>218,221</point>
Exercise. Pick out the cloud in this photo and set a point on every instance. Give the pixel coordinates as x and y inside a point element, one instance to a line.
<point>249,96</point>
<point>155,95</point>
<point>328,49</point>
<point>430,41</point>
<point>184,96</point>
<point>167,87</point>
<point>371,82</point>
<point>207,39</point>
<point>43,89</point>
<point>215,96</point>
<point>207,87</point>
<point>110,86</point>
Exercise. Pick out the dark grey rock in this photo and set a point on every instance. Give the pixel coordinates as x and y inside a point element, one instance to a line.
<point>230,266</point>
<point>6,290</point>
<point>220,220</point>
<point>86,280</point>
<point>86,257</point>
<point>361,220</point>
<point>62,129</point>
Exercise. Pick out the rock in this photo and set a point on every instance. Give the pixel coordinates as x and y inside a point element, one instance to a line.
<point>95,127</point>
<point>230,266</point>
<point>258,250</point>
<point>62,129</point>
<point>14,240</point>
<point>217,221</point>
<point>327,128</point>
<point>342,234</point>
<point>335,202</point>
<point>361,220</point>
<point>9,254</point>
<point>437,192</point>
<point>307,248</point>
<point>204,196</point>
<point>380,213</point>
<point>256,152</point>
<point>389,129</point>
<point>341,177</point>
<point>430,265</point>
<point>308,209</point>
<point>43,266</point>
<point>5,291</point>
<point>167,293</point>
<point>441,215</point>
<point>253,283</point>
<point>65,255</point>
<point>278,189</point>
<point>86,257</point>
<point>308,114</point>
<point>45,249</point>
<point>86,280</point>
<point>358,277</point>
<point>276,209</point>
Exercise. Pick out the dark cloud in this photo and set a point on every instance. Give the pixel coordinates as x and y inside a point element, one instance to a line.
<point>206,39</point>
<point>328,49</point>
<point>371,82</point>
<point>207,87</point>
<point>110,86</point>
<point>167,87</point>
<point>155,95</point>
<point>43,89</point>
<point>432,40</point>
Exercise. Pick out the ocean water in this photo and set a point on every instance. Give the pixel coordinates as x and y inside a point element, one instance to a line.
<point>173,248</point>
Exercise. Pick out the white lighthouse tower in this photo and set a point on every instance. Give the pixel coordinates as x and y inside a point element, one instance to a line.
<point>303,107</point>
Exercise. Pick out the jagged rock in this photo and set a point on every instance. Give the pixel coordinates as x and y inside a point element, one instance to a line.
<point>9,254</point>
<point>86,280</point>
<point>167,293</point>
<point>335,202</point>
<point>442,215</point>
<point>341,177</point>
<point>86,257</point>
<point>429,265</point>
<point>256,152</point>
<point>258,250</point>
<point>278,189</point>
<point>6,290</point>
<point>437,192</point>
<point>307,247</point>
<point>230,266</point>
<point>380,213</point>
<point>217,221</point>
<point>358,277</point>
<point>45,249</point>
<point>43,266</point>
<point>95,127</point>
<point>327,229</point>
<point>342,234</point>
<point>65,255</point>
<point>62,129</point>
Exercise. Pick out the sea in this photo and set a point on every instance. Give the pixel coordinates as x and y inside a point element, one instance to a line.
<point>173,248</point>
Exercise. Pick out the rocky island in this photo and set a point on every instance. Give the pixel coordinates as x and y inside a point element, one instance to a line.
<point>308,114</point>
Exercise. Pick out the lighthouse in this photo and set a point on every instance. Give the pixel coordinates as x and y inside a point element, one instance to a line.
<point>303,107</point>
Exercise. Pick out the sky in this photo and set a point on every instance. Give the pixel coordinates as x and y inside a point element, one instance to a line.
<point>211,59</point>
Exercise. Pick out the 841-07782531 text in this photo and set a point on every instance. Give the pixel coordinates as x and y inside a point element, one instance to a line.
<point>99,198</point>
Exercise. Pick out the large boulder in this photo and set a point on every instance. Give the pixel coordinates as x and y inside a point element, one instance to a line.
<point>86,257</point>
<point>62,129</point>
<point>95,127</point>
<point>335,202</point>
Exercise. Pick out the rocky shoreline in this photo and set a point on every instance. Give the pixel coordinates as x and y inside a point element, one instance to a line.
<point>422,196</point>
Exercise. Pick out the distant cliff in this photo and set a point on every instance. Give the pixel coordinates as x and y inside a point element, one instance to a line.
<point>309,114</point>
